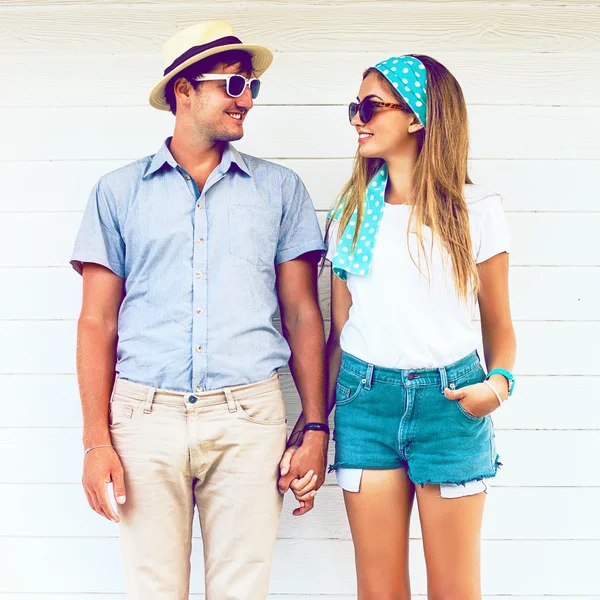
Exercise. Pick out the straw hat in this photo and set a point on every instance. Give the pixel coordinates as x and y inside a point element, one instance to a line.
<point>199,41</point>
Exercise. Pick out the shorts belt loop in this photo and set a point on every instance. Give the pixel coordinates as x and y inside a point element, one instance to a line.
<point>443,378</point>
<point>149,400</point>
<point>230,401</point>
<point>368,380</point>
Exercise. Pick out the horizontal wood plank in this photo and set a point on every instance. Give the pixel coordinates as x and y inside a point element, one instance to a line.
<point>525,185</point>
<point>289,132</point>
<point>431,27</point>
<point>545,348</point>
<point>535,567</point>
<point>115,79</point>
<point>530,458</point>
<point>49,510</point>
<point>537,293</point>
<point>46,239</point>
<point>539,402</point>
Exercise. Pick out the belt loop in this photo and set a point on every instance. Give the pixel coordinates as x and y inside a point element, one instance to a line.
<point>230,401</point>
<point>368,380</point>
<point>149,400</point>
<point>443,378</point>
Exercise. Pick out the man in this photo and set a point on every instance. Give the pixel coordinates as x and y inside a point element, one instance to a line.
<point>185,256</point>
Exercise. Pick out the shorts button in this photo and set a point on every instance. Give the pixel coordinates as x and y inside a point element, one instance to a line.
<point>193,399</point>
<point>411,376</point>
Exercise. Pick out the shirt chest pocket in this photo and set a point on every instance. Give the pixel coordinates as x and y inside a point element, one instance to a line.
<point>253,234</point>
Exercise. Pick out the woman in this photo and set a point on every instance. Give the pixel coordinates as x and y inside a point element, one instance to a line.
<point>413,246</point>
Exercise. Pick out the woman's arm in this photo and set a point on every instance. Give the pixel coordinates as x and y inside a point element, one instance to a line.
<point>341,301</point>
<point>499,342</point>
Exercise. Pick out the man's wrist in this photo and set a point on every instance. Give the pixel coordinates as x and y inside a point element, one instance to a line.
<point>96,438</point>
<point>318,426</point>
<point>86,451</point>
<point>316,436</point>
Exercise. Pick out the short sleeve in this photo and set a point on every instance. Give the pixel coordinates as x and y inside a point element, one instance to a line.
<point>299,231</point>
<point>99,239</point>
<point>494,235</point>
<point>331,241</point>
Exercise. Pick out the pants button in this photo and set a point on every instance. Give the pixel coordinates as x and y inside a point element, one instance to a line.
<point>193,399</point>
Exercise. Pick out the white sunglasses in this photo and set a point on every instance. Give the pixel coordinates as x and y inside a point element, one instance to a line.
<point>236,84</point>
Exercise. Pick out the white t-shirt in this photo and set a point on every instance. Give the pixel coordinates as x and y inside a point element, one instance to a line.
<point>402,319</point>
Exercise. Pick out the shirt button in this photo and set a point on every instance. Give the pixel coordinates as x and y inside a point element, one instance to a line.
<point>187,177</point>
<point>199,205</point>
<point>199,388</point>
<point>200,240</point>
<point>198,274</point>
<point>198,348</point>
<point>199,311</point>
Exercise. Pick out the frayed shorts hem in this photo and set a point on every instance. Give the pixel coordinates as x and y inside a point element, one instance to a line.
<point>421,482</point>
<point>433,481</point>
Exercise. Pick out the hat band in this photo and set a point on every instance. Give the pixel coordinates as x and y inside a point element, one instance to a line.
<point>194,50</point>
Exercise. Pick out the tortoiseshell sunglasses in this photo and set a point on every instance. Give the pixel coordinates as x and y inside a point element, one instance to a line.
<point>366,108</point>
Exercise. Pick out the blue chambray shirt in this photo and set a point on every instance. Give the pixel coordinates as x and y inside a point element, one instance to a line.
<point>199,268</point>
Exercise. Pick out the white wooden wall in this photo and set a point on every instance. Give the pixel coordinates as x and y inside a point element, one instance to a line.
<point>74,78</point>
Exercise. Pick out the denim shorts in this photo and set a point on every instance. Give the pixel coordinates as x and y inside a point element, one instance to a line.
<point>399,418</point>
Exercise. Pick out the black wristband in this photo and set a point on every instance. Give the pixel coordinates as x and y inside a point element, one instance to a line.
<point>316,427</point>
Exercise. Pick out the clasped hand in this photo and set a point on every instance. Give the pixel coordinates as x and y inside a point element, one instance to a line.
<point>302,468</point>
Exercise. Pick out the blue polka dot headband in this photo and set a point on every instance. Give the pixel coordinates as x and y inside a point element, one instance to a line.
<point>409,77</point>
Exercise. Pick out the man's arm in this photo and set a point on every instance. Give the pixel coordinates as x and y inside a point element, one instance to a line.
<point>303,328</point>
<point>341,302</point>
<point>96,360</point>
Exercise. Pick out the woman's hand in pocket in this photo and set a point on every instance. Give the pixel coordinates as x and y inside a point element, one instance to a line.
<point>477,399</point>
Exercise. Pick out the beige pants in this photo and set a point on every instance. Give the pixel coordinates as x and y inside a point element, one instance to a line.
<point>217,450</point>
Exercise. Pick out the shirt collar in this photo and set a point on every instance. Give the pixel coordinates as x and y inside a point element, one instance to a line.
<point>160,158</point>
<point>164,156</point>
<point>232,156</point>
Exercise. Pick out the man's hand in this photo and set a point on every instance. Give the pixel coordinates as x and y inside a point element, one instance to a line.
<point>296,463</point>
<point>100,467</point>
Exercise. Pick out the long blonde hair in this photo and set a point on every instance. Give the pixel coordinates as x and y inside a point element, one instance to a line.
<point>437,197</point>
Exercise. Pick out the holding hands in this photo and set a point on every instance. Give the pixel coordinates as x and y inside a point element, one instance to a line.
<point>302,468</point>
